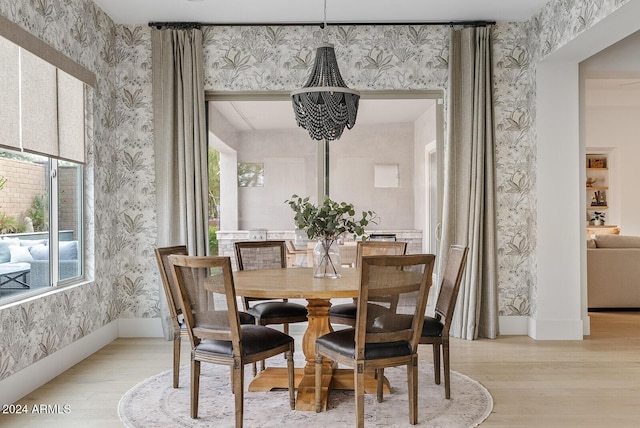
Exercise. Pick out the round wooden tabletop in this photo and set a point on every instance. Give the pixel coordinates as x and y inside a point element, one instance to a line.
<point>295,283</point>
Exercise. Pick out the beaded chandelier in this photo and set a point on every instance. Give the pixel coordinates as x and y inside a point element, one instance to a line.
<point>325,105</point>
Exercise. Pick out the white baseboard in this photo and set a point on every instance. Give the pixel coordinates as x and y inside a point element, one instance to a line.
<point>556,329</point>
<point>140,327</point>
<point>543,329</point>
<point>514,325</point>
<point>37,374</point>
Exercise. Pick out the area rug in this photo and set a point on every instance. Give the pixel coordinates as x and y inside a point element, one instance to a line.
<point>155,403</point>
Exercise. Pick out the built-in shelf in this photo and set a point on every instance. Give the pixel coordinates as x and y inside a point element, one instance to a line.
<point>597,189</point>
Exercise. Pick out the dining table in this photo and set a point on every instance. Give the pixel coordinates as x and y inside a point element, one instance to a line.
<point>299,283</point>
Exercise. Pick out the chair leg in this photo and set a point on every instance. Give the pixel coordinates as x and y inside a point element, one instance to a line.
<point>412,387</point>
<point>195,387</point>
<point>291,377</point>
<point>238,390</point>
<point>447,374</point>
<point>359,393</point>
<point>436,363</point>
<point>318,382</point>
<point>380,379</point>
<point>176,360</point>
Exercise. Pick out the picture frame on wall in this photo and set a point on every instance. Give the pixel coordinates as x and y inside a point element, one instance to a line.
<point>250,174</point>
<point>596,163</point>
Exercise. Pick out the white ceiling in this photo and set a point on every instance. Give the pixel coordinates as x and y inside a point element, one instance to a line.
<point>258,115</point>
<point>296,11</point>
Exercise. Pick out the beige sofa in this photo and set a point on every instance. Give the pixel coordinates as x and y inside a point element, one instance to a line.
<point>613,272</point>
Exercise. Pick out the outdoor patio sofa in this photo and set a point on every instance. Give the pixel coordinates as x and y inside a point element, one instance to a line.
<point>20,254</point>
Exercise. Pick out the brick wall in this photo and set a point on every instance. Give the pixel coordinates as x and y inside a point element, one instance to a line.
<point>24,181</point>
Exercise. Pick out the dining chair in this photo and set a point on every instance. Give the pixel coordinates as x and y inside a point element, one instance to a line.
<point>175,312</point>
<point>435,330</point>
<point>170,292</point>
<point>293,254</point>
<point>206,286</point>
<point>382,339</point>
<point>251,255</point>
<point>346,313</point>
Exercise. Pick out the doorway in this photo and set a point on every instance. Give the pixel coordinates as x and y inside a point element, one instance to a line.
<point>261,128</point>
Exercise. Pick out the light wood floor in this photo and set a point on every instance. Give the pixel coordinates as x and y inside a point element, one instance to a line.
<point>589,383</point>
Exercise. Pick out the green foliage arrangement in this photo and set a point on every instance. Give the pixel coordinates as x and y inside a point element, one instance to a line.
<point>39,213</point>
<point>214,183</point>
<point>8,224</point>
<point>213,241</point>
<point>330,219</point>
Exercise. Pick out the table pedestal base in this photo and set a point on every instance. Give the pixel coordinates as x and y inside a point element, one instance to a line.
<point>276,378</point>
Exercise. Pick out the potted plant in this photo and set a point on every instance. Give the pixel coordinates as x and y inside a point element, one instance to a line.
<point>327,222</point>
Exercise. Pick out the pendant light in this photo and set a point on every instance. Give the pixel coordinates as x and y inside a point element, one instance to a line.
<point>325,105</point>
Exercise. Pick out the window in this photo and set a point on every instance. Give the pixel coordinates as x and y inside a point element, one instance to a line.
<point>42,109</point>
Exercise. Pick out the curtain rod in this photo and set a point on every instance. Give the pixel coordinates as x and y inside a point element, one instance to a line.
<point>318,24</point>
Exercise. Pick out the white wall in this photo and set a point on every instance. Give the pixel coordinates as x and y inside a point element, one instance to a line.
<point>352,172</point>
<point>289,158</point>
<point>560,212</point>
<point>290,165</point>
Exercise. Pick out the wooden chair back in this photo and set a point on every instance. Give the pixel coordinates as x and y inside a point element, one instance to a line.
<point>169,286</point>
<point>206,285</point>
<point>379,248</point>
<point>450,286</point>
<point>251,255</point>
<point>405,279</point>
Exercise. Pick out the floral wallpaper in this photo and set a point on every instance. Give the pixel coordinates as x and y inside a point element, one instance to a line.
<point>137,280</point>
<point>120,169</point>
<point>36,328</point>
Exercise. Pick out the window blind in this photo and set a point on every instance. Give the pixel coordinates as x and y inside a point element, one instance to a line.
<point>71,123</point>
<point>9,95</point>
<point>42,108</point>
<point>38,107</point>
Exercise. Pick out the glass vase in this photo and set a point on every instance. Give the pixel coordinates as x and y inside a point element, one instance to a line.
<point>326,259</point>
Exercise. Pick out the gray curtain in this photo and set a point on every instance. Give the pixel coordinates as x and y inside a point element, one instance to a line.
<point>180,142</point>
<point>469,181</point>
